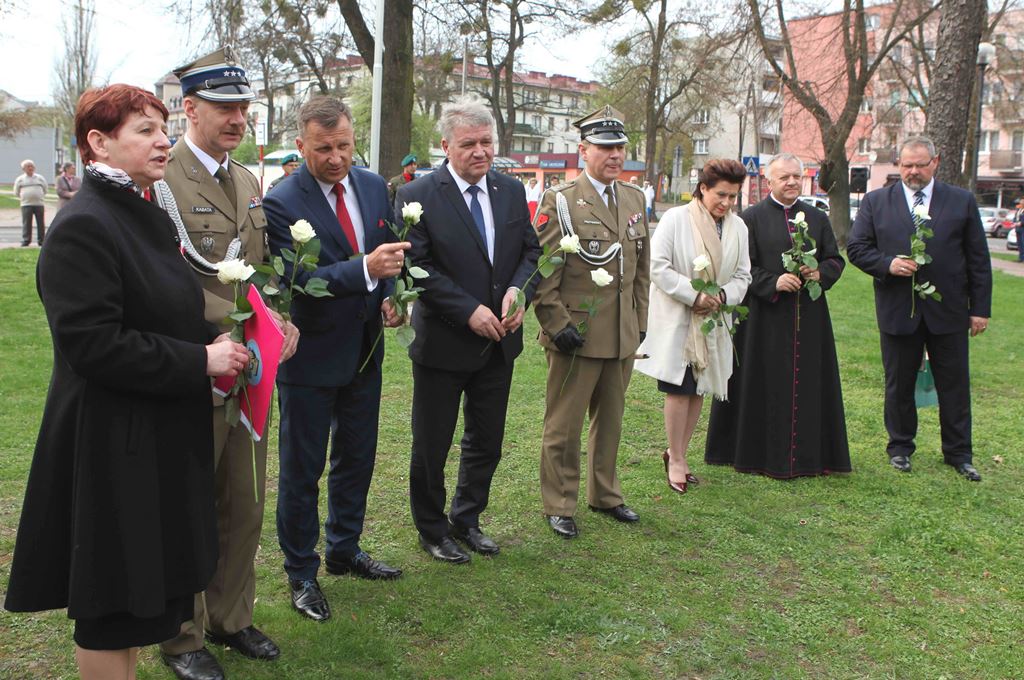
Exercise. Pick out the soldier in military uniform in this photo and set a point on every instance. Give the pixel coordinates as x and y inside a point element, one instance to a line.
<point>289,164</point>
<point>591,370</point>
<point>215,203</point>
<point>407,175</point>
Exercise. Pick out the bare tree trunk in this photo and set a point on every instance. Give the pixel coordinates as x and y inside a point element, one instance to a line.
<point>397,93</point>
<point>953,82</point>
<point>652,95</point>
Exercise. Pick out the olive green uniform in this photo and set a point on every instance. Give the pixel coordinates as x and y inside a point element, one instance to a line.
<point>600,373</point>
<point>212,223</point>
<point>394,183</point>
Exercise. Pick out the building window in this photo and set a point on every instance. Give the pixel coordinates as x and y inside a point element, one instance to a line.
<point>566,148</point>
<point>1018,140</point>
<point>768,146</point>
<point>536,123</point>
<point>700,146</point>
<point>865,106</point>
<point>551,147</point>
<point>864,145</point>
<point>702,117</point>
<point>989,141</point>
<point>551,122</point>
<point>568,125</point>
<point>872,21</point>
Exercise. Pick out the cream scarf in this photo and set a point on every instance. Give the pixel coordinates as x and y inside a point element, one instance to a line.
<point>705,242</point>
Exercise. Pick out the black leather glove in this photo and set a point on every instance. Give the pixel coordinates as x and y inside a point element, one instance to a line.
<point>568,339</point>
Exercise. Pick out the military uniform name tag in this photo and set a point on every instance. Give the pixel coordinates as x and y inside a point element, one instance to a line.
<point>202,210</point>
<point>591,222</point>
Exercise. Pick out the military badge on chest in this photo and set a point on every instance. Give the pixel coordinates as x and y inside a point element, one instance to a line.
<point>206,244</point>
<point>594,247</point>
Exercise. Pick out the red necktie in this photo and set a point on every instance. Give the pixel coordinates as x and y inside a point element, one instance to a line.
<point>343,217</point>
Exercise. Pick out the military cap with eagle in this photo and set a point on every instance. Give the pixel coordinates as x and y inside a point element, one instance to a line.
<point>215,77</point>
<point>603,127</point>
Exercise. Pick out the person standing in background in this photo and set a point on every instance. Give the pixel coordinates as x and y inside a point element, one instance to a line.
<point>30,188</point>
<point>68,185</point>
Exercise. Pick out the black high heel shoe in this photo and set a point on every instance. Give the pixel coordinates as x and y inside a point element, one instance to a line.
<point>675,486</point>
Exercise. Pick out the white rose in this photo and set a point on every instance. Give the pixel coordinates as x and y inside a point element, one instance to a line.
<point>600,277</point>
<point>412,212</point>
<point>921,213</point>
<point>570,244</point>
<point>799,219</point>
<point>233,271</point>
<point>701,262</point>
<point>302,231</point>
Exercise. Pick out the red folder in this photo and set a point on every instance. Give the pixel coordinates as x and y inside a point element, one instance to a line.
<point>263,338</point>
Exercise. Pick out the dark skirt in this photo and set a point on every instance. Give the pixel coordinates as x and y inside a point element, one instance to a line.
<point>123,630</point>
<point>688,388</point>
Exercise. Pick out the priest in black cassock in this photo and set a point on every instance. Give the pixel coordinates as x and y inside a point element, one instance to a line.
<point>784,416</point>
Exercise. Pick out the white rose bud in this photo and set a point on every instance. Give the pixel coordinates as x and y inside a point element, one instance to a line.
<point>701,262</point>
<point>233,271</point>
<point>302,231</point>
<point>600,277</point>
<point>921,213</point>
<point>570,244</point>
<point>799,218</point>
<point>412,212</point>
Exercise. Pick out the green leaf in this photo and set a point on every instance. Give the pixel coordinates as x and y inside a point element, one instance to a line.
<point>242,304</point>
<point>278,265</point>
<point>270,290</point>
<point>240,317</point>
<point>937,296</point>
<point>405,335</point>
<point>399,286</point>
<point>418,273</point>
<point>556,260</point>
<point>263,269</point>
<point>813,289</point>
<point>520,298</point>
<point>512,309</point>
<point>317,287</point>
<point>312,249</point>
<point>407,297</point>
<point>810,262</point>
<point>237,334</point>
<point>309,266</point>
<point>288,254</point>
<point>707,326</point>
<point>546,269</point>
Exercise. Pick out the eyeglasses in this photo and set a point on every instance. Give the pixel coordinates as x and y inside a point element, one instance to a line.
<point>911,166</point>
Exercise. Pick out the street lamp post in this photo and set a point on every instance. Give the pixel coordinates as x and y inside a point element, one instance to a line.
<point>741,113</point>
<point>985,53</point>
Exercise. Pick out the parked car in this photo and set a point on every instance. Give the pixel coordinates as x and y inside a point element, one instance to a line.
<point>819,202</point>
<point>1011,240</point>
<point>996,221</point>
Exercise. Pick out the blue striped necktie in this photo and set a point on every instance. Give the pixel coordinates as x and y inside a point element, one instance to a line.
<point>478,213</point>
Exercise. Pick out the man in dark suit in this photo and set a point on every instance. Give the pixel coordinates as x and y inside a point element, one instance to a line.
<point>475,241</point>
<point>322,392</point>
<point>961,272</point>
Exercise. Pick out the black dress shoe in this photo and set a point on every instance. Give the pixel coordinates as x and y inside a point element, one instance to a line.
<point>361,565</point>
<point>250,642</point>
<point>476,540</point>
<point>968,471</point>
<point>197,665</point>
<point>309,600</point>
<point>445,550</point>
<point>563,526</point>
<point>901,463</point>
<point>620,513</point>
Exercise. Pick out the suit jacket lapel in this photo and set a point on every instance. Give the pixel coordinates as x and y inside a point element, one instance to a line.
<point>499,208</point>
<point>450,190</point>
<point>370,231</point>
<point>328,221</point>
<point>938,202</point>
<point>241,200</point>
<point>898,204</point>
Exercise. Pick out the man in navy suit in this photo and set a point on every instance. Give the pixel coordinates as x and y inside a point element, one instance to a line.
<point>961,272</point>
<point>321,392</point>
<point>478,247</point>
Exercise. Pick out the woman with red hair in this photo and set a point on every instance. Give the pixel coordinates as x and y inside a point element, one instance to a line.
<point>118,518</point>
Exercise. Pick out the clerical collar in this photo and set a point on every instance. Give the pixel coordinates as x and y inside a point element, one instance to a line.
<point>781,204</point>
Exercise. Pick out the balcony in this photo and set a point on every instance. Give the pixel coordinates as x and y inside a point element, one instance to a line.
<point>1005,160</point>
<point>527,130</point>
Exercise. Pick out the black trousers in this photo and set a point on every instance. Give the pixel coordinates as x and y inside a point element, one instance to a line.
<point>435,412</point>
<point>950,362</point>
<point>27,212</point>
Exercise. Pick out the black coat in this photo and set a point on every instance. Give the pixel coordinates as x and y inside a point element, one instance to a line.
<point>447,244</point>
<point>119,511</point>
<point>960,269</point>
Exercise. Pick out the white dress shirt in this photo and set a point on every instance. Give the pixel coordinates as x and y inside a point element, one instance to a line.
<point>209,162</point>
<point>352,205</point>
<point>909,194</point>
<point>485,205</point>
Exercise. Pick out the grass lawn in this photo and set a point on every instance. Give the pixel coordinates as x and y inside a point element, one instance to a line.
<point>871,575</point>
<point>9,201</point>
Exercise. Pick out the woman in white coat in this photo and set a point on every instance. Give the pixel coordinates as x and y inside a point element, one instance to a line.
<point>686,362</point>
